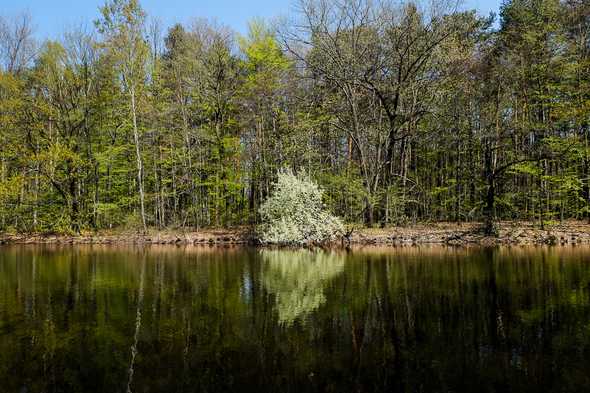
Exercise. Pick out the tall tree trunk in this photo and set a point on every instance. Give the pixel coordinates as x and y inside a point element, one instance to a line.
<point>75,208</point>
<point>36,182</point>
<point>489,208</point>
<point>369,216</point>
<point>489,215</point>
<point>586,174</point>
<point>138,157</point>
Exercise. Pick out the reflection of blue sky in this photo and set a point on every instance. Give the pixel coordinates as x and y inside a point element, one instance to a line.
<point>246,288</point>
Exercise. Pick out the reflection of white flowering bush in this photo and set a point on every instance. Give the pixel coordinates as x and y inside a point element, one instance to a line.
<point>297,280</point>
<point>295,214</point>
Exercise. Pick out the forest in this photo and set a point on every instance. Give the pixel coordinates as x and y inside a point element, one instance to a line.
<point>402,113</point>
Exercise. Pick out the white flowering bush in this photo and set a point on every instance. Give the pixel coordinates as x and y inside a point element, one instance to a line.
<point>295,214</point>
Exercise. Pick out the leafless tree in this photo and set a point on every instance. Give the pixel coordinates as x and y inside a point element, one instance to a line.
<point>17,45</point>
<point>385,61</point>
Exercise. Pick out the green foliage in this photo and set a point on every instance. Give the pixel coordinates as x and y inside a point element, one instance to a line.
<point>264,57</point>
<point>344,193</point>
<point>474,123</point>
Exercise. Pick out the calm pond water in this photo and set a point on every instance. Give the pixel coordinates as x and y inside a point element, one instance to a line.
<point>422,319</point>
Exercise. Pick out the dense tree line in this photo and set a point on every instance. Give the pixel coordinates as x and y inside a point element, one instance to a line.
<point>401,112</point>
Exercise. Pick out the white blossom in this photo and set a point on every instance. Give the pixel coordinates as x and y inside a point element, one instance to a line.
<point>295,214</point>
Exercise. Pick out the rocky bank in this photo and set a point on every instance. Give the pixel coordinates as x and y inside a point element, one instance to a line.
<point>509,233</point>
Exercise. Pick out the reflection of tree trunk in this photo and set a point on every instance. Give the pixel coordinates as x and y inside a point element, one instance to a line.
<point>263,321</point>
<point>137,327</point>
<point>49,343</point>
<point>358,330</point>
<point>33,287</point>
<point>388,318</point>
<point>492,288</point>
<point>409,311</point>
<point>186,316</point>
<point>72,289</point>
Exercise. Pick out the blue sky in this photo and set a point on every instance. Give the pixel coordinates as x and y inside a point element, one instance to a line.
<point>51,17</point>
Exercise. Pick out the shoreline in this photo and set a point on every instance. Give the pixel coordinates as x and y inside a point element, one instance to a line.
<point>443,233</point>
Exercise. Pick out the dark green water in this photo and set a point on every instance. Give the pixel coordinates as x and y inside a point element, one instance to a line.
<point>206,320</point>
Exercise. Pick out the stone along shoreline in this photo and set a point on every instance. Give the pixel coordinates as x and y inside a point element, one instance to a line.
<point>509,233</point>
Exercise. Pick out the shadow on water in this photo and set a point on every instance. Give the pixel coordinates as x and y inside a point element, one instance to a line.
<point>418,319</point>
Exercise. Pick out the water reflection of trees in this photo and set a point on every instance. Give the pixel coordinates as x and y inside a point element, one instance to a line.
<point>423,319</point>
<point>297,280</point>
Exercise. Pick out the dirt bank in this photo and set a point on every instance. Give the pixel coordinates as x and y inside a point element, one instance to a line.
<point>208,236</point>
<point>570,232</point>
<point>524,233</point>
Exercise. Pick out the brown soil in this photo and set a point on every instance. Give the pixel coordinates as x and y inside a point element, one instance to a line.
<point>206,236</point>
<point>569,232</point>
<point>525,233</point>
